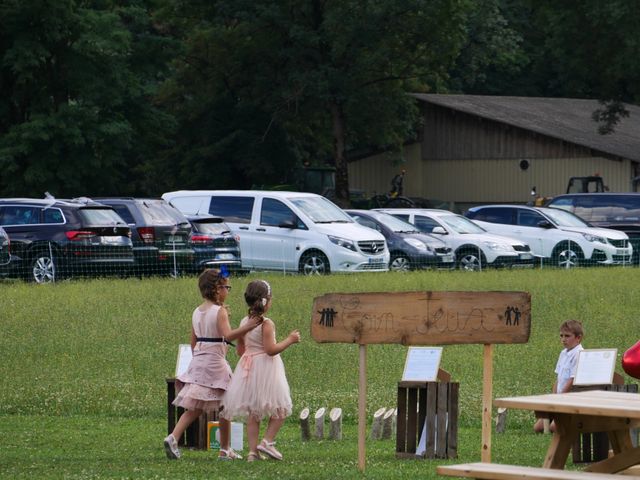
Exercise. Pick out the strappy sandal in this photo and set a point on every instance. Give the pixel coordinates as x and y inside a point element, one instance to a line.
<point>229,455</point>
<point>253,457</point>
<point>268,449</point>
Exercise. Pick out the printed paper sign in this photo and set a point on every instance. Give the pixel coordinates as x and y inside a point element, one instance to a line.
<point>422,364</point>
<point>596,367</point>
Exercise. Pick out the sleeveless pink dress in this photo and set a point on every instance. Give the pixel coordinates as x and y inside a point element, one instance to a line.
<point>259,385</point>
<point>204,383</point>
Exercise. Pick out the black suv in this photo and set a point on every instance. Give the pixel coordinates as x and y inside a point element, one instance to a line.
<point>160,234</point>
<point>53,238</point>
<point>5,252</point>
<point>213,243</point>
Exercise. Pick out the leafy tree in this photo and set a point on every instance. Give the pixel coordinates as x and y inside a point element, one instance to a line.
<point>77,78</point>
<point>326,76</point>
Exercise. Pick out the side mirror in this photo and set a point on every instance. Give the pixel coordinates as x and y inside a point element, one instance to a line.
<point>291,224</point>
<point>545,224</point>
<point>439,231</point>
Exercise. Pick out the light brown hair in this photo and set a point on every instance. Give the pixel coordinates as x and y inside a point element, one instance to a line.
<point>573,326</point>
<point>257,294</point>
<point>208,283</point>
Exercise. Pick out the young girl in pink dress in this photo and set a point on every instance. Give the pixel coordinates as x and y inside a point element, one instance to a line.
<point>202,386</point>
<point>259,385</point>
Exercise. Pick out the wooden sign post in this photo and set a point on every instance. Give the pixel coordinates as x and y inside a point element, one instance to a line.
<point>423,318</point>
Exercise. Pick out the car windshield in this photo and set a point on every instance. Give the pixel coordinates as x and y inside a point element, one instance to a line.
<point>562,218</point>
<point>462,225</point>
<point>161,213</point>
<point>321,210</point>
<point>394,223</point>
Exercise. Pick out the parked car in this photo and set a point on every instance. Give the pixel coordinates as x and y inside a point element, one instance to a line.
<point>51,239</point>
<point>474,247</point>
<point>160,234</point>
<point>620,211</point>
<point>289,231</point>
<point>409,248</point>
<point>556,235</point>
<point>213,243</point>
<point>5,252</point>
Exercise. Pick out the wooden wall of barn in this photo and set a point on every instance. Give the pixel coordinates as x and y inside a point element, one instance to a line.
<point>470,161</point>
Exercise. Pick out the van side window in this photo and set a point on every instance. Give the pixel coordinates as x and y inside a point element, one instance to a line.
<point>274,213</point>
<point>232,209</point>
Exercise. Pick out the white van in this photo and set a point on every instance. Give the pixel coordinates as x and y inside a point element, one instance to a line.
<point>290,231</point>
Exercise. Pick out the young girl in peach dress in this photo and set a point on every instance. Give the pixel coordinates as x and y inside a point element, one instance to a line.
<point>202,386</point>
<point>259,387</point>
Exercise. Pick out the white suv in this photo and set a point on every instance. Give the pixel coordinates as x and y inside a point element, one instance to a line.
<point>554,234</point>
<point>289,231</point>
<point>475,248</point>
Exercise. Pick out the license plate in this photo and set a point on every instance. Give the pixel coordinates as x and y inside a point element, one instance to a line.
<point>111,240</point>
<point>174,239</point>
<point>622,251</point>
<point>526,256</point>
<point>226,256</point>
<point>447,258</point>
<point>376,260</point>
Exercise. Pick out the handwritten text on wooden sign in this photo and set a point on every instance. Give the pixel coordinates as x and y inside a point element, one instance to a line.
<point>422,318</point>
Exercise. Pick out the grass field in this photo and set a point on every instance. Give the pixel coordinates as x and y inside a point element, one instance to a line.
<point>84,364</point>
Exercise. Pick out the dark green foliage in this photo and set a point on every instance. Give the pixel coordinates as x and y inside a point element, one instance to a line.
<point>77,80</point>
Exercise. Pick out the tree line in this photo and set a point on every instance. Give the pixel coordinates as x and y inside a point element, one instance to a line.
<point>105,97</point>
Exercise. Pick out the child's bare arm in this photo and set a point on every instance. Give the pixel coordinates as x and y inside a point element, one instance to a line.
<point>225,328</point>
<point>268,335</point>
<point>240,347</point>
<point>194,339</point>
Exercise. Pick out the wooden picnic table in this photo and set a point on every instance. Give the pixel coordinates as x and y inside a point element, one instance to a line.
<point>582,412</point>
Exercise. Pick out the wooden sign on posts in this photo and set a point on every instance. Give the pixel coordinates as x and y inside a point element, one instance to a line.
<point>423,318</point>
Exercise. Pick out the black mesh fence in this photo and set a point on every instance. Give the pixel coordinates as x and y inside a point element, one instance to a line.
<point>50,262</point>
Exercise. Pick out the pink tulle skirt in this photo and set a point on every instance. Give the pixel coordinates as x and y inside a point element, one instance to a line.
<point>258,388</point>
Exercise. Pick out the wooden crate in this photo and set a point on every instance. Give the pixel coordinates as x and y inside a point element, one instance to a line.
<point>196,434</point>
<point>435,403</point>
<point>593,447</point>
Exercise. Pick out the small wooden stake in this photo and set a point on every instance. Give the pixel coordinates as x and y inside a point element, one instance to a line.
<point>387,423</point>
<point>376,425</point>
<point>319,416</point>
<point>305,434</point>
<point>501,420</point>
<point>335,430</point>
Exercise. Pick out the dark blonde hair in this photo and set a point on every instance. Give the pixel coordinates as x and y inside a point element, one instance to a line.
<point>573,326</point>
<point>208,283</point>
<point>257,295</point>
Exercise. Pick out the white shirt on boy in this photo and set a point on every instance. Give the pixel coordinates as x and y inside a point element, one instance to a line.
<point>567,365</point>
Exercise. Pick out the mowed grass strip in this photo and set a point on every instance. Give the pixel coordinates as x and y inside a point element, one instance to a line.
<point>92,356</point>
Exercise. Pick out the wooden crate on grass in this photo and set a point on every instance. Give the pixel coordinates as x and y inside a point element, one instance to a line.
<point>196,434</point>
<point>429,408</point>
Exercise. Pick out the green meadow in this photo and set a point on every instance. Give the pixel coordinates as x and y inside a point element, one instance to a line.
<point>84,364</point>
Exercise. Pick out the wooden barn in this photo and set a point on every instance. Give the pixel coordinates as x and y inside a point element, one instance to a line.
<point>487,149</point>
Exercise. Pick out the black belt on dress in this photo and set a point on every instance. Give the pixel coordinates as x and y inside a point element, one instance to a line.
<point>214,340</point>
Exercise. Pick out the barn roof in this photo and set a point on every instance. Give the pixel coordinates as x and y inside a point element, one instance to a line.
<point>566,119</point>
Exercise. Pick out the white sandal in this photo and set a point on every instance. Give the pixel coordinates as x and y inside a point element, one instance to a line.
<point>229,455</point>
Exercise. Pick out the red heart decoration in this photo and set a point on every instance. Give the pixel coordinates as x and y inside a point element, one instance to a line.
<point>631,361</point>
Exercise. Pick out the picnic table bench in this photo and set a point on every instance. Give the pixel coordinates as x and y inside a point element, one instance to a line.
<point>495,471</point>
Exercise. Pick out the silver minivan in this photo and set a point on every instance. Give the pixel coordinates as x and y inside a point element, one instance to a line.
<point>289,231</point>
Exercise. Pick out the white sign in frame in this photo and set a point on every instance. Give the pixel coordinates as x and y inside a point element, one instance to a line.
<point>596,366</point>
<point>422,364</point>
<point>184,358</point>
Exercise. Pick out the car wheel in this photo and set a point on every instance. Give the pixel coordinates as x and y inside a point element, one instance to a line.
<point>314,263</point>
<point>470,261</point>
<point>567,255</point>
<point>399,263</point>
<point>43,268</point>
